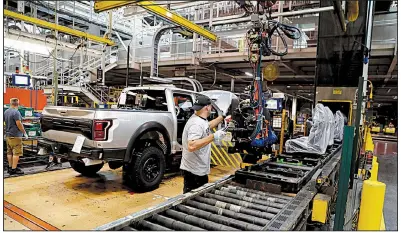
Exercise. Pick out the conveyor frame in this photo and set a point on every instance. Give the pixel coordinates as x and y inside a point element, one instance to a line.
<point>292,216</point>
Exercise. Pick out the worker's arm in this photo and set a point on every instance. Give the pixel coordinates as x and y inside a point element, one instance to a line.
<point>20,126</point>
<point>194,145</point>
<point>214,123</point>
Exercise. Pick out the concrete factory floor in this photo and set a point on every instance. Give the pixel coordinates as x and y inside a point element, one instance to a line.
<point>68,201</point>
<point>388,174</point>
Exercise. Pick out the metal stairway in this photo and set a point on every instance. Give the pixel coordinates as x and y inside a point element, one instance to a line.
<point>77,79</point>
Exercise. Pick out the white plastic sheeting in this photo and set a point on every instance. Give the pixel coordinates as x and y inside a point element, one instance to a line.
<point>317,141</point>
<point>339,129</point>
<point>331,126</point>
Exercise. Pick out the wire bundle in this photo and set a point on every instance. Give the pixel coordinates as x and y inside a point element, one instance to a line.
<point>275,27</point>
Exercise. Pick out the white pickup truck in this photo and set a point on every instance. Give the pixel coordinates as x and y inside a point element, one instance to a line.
<point>143,134</point>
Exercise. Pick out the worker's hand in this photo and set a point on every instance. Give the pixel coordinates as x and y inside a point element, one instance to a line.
<point>228,119</point>
<point>26,136</point>
<point>219,134</point>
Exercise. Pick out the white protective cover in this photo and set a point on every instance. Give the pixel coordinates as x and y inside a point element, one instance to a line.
<point>339,129</point>
<point>316,142</point>
<point>331,126</point>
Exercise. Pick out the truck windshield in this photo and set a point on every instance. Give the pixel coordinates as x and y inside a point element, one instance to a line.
<point>144,100</point>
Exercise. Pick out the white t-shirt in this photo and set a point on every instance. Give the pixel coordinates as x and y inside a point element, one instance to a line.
<point>197,162</point>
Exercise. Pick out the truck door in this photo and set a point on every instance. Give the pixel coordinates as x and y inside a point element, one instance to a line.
<point>183,107</point>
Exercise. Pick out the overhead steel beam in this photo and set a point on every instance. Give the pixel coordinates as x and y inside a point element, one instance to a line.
<point>292,68</point>
<point>161,12</point>
<point>56,27</point>
<point>393,62</point>
<point>42,40</point>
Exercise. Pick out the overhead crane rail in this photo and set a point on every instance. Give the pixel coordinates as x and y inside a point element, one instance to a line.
<point>160,11</point>
<point>57,27</point>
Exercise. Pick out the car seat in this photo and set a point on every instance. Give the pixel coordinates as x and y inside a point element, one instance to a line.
<point>316,142</point>
<point>339,129</point>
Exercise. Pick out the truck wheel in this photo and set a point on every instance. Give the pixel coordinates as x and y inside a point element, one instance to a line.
<point>146,172</point>
<point>80,167</point>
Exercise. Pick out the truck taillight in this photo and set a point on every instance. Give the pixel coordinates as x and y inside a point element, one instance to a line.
<point>100,129</point>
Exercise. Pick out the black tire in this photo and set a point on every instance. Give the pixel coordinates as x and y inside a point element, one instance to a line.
<point>146,172</point>
<point>80,167</point>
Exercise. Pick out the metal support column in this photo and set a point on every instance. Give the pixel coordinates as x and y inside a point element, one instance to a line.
<point>133,41</point>
<point>358,117</point>
<point>280,19</point>
<point>103,62</point>
<point>35,14</point>
<point>55,77</point>
<point>232,85</point>
<point>21,59</point>
<point>195,40</point>
<point>126,78</point>
<point>368,43</point>
<point>343,182</point>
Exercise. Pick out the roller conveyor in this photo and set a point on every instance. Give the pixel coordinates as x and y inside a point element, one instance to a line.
<point>291,177</point>
<point>228,206</point>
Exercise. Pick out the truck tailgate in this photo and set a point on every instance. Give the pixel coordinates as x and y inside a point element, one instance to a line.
<point>64,124</point>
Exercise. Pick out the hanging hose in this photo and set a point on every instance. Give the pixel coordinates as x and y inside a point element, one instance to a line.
<point>279,28</point>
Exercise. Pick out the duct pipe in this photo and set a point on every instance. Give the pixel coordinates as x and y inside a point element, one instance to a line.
<point>194,85</point>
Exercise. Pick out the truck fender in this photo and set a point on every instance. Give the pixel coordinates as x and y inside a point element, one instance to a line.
<point>147,127</point>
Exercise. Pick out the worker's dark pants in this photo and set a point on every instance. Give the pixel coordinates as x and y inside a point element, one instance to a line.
<point>192,181</point>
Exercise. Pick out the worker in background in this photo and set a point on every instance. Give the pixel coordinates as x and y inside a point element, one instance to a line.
<point>196,141</point>
<point>14,133</point>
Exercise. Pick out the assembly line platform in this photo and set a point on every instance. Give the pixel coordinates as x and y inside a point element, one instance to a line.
<point>68,201</point>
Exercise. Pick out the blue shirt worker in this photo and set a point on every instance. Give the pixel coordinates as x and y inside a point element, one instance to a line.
<point>14,133</point>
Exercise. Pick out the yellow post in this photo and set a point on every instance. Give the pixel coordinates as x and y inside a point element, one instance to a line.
<point>375,169</point>
<point>371,210</point>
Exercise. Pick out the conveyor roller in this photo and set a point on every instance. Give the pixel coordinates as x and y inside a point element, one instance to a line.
<point>234,211</point>
<point>209,225</point>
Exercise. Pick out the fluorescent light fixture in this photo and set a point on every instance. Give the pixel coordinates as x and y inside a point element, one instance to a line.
<point>248,74</point>
<point>288,86</point>
<point>26,46</point>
